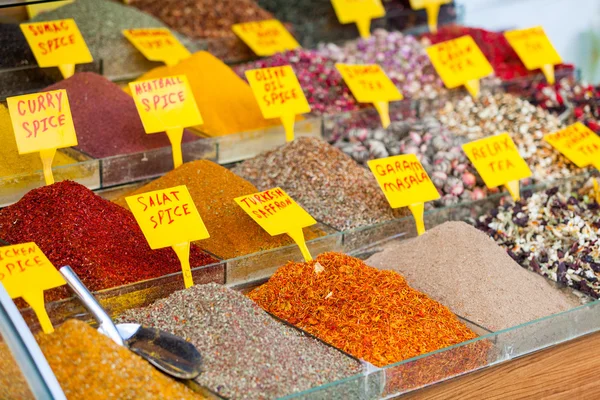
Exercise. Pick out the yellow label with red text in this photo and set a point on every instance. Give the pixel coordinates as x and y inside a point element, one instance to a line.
<point>459,61</point>
<point>533,47</point>
<point>266,38</point>
<point>578,143</point>
<point>157,44</point>
<point>24,268</point>
<point>55,43</point>
<point>277,91</point>
<point>42,121</point>
<point>275,211</point>
<point>349,11</point>
<point>403,180</point>
<point>165,103</point>
<point>420,4</point>
<point>35,9</point>
<point>167,217</point>
<point>497,160</point>
<point>369,83</point>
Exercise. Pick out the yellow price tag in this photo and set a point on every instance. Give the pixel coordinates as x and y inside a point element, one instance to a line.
<point>432,7</point>
<point>57,44</point>
<point>169,218</point>
<point>405,183</point>
<point>498,161</point>
<point>35,9</point>
<point>277,213</point>
<point>266,38</point>
<point>534,48</point>
<point>460,62</point>
<point>360,12</point>
<point>279,95</point>
<point>578,143</point>
<point>157,44</point>
<point>26,272</point>
<point>166,104</point>
<point>42,122</point>
<point>370,84</point>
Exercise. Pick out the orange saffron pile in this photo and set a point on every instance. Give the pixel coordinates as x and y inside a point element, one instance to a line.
<point>372,314</point>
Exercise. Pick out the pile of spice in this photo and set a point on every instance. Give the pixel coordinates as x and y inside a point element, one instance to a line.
<point>101,23</point>
<point>100,240</point>
<point>246,354</point>
<point>505,61</point>
<point>554,233</point>
<point>321,82</point>
<point>439,151</point>
<point>213,188</point>
<point>461,267</point>
<point>225,101</point>
<point>106,120</point>
<point>526,123</point>
<point>89,365</point>
<point>373,315</point>
<point>13,385</point>
<point>327,183</point>
<point>16,52</point>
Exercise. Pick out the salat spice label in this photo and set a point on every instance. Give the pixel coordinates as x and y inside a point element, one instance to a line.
<point>370,84</point>
<point>578,143</point>
<point>57,44</point>
<point>498,161</point>
<point>157,44</point>
<point>26,272</point>
<point>432,7</point>
<point>535,49</point>
<point>405,183</point>
<point>279,95</point>
<point>460,62</point>
<point>266,38</point>
<point>276,212</point>
<point>360,12</point>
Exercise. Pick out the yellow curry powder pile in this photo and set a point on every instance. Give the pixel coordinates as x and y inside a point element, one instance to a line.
<point>213,188</point>
<point>372,314</point>
<point>225,101</point>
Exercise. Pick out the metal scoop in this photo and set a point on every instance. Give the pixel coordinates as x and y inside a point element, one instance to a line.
<point>168,353</point>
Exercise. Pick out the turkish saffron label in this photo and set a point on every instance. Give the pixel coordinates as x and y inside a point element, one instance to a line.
<point>266,38</point>
<point>460,62</point>
<point>26,272</point>
<point>432,7</point>
<point>578,143</point>
<point>157,44</point>
<point>360,12</point>
<point>279,95</point>
<point>535,49</point>
<point>35,9</point>
<point>276,212</point>
<point>57,44</point>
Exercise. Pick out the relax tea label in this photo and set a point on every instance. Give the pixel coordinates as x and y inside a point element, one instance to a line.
<point>578,143</point>
<point>266,38</point>
<point>460,62</point>
<point>276,212</point>
<point>157,44</point>
<point>26,272</point>
<point>432,7</point>
<point>535,49</point>
<point>360,12</point>
<point>57,44</point>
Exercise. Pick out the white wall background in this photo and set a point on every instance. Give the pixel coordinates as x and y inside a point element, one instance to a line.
<point>573,25</point>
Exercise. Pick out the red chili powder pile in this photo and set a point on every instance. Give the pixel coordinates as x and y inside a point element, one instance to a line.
<point>100,240</point>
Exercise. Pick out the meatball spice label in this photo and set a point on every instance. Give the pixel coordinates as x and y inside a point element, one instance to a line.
<point>360,12</point>
<point>535,49</point>
<point>167,104</point>
<point>42,122</point>
<point>57,44</point>
<point>157,44</point>
<point>432,7</point>
<point>266,38</point>
<point>498,161</point>
<point>460,62</point>
<point>279,95</point>
<point>169,218</point>
<point>276,212</point>
<point>370,84</point>
<point>26,272</point>
<point>405,183</point>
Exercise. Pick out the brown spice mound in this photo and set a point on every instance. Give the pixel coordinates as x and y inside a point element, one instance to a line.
<point>460,266</point>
